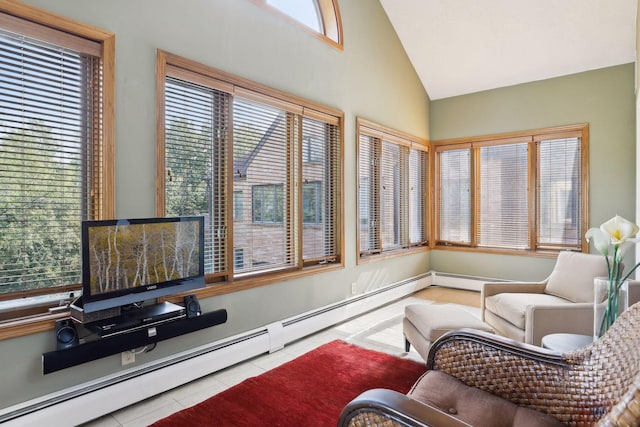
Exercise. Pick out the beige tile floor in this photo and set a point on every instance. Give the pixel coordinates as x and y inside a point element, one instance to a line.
<point>379,330</point>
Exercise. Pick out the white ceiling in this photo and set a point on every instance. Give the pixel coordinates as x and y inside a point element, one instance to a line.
<point>464,46</point>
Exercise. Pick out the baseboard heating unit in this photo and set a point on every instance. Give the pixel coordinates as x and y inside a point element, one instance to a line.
<point>90,400</point>
<point>459,281</point>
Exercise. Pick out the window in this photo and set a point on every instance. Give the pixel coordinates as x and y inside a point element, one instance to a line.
<point>454,207</point>
<point>56,148</point>
<point>321,170</point>
<point>321,17</point>
<point>281,163</point>
<point>304,11</point>
<point>487,187</point>
<point>195,162</point>
<point>264,137</point>
<point>418,194</point>
<point>504,205</point>
<point>559,192</point>
<point>312,202</point>
<point>268,203</point>
<point>392,190</point>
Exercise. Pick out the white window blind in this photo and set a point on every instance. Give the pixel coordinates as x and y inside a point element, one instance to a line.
<point>455,196</point>
<point>368,194</point>
<point>418,195</point>
<point>196,144</point>
<point>503,198</point>
<point>392,191</point>
<point>320,189</point>
<point>560,193</point>
<point>393,200</point>
<point>264,137</point>
<point>50,156</point>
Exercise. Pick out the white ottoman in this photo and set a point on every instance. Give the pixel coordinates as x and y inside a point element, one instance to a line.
<point>424,323</point>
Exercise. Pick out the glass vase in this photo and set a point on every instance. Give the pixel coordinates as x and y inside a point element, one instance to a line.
<point>610,299</point>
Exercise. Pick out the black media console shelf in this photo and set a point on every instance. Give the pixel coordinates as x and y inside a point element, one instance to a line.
<point>92,350</point>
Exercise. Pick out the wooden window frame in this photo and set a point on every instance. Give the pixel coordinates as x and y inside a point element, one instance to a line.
<point>532,137</point>
<point>23,321</point>
<point>169,64</point>
<point>329,15</point>
<point>387,135</point>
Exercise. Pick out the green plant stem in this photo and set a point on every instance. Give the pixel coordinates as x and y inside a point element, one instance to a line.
<point>613,288</point>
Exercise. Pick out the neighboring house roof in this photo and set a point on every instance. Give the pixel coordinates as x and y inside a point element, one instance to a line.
<point>242,163</point>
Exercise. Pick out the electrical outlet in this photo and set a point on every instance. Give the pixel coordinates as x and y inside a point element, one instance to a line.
<point>354,288</point>
<point>128,357</point>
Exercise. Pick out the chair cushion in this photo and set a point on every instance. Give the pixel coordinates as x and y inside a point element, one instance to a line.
<point>433,320</point>
<point>504,327</point>
<point>474,406</point>
<point>513,306</point>
<point>572,277</point>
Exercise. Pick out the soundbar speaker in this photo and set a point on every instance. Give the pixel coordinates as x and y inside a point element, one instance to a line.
<point>66,334</point>
<point>192,306</point>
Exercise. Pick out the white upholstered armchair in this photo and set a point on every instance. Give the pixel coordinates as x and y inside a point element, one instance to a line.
<point>561,303</point>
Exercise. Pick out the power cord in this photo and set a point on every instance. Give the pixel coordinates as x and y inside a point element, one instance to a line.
<point>142,350</point>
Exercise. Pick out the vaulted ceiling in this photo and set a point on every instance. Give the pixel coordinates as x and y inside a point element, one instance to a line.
<point>464,46</point>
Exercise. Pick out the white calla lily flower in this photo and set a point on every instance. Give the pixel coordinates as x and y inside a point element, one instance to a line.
<point>619,234</point>
<point>628,244</point>
<point>619,229</point>
<point>600,239</point>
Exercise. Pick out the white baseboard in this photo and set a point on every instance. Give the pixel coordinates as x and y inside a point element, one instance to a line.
<point>87,401</point>
<point>457,281</point>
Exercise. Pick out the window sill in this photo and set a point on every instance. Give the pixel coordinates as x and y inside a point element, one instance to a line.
<point>15,328</point>
<point>391,254</point>
<point>496,251</point>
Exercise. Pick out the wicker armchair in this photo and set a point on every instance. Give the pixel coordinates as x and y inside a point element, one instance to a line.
<point>598,384</point>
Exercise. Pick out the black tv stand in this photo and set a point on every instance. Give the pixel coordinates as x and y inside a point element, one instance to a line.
<point>136,317</point>
<point>129,339</point>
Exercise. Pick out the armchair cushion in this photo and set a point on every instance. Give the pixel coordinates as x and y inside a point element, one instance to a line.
<point>513,306</point>
<point>572,276</point>
<point>474,406</point>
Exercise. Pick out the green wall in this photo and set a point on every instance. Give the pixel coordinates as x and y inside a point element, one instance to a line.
<point>371,78</point>
<point>602,98</point>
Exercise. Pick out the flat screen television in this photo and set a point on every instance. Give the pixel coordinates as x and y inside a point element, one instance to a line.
<point>126,261</point>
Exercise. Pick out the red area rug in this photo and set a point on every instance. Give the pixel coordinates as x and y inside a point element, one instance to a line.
<point>308,391</point>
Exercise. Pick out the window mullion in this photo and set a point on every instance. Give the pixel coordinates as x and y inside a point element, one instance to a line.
<point>532,192</point>
<point>293,198</point>
<point>476,194</point>
<point>377,188</point>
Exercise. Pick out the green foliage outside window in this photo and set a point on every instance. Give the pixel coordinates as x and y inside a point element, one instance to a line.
<point>40,211</point>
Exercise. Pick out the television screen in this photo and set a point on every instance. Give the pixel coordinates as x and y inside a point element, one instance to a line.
<point>129,261</point>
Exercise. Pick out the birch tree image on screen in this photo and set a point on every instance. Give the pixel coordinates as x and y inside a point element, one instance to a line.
<point>133,255</point>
